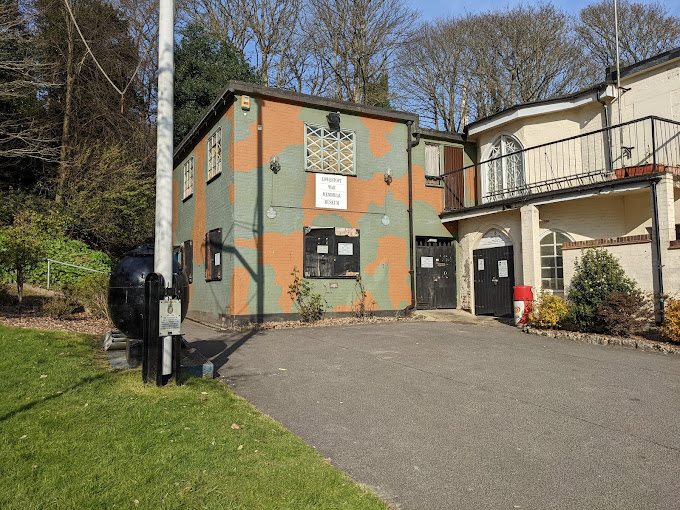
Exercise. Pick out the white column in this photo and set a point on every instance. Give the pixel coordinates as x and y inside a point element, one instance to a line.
<point>531,250</point>
<point>164,163</point>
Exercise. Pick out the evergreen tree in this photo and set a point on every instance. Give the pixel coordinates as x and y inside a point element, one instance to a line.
<point>203,66</point>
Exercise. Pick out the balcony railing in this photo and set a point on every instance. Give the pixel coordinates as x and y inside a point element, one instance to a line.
<point>635,148</point>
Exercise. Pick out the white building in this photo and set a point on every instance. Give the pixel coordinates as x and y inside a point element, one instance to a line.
<point>587,170</point>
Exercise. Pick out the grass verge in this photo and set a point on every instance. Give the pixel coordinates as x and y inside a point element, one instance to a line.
<point>74,434</point>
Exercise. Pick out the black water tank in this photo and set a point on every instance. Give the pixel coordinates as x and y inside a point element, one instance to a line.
<point>126,290</point>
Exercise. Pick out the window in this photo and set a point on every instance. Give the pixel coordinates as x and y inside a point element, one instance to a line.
<point>215,154</point>
<point>188,260</point>
<point>331,252</point>
<point>189,167</point>
<point>329,151</point>
<point>432,161</point>
<point>552,273</point>
<point>504,174</point>
<point>213,255</point>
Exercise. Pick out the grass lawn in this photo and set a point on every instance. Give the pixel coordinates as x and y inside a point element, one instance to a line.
<point>75,434</point>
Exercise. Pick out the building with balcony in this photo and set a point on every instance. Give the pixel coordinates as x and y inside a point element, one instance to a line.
<point>593,169</point>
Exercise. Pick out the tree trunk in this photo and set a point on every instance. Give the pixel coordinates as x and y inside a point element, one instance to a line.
<point>66,124</point>
<point>20,285</point>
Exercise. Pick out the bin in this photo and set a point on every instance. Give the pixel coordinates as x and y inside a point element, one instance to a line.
<point>522,297</point>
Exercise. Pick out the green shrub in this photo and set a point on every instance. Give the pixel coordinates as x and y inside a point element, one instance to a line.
<point>59,307</point>
<point>310,304</point>
<point>624,314</point>
<point>671,320</point>
<point>598,274</point>
<point>549,311</point>
<point>92,293</point>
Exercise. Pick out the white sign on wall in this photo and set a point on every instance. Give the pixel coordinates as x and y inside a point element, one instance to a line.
<point>502,268</point>
<point>331,191</point>
<point>345,249</point>
<point>427,262</point>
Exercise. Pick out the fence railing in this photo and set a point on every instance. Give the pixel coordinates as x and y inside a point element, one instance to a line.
<point>635,148</point>
<point>49,269</point>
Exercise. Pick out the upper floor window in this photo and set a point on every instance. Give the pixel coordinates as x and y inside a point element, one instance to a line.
<point>432,160</point>
<point>329,151</point>
<point>504,171</point>
<point>189,170</point>
<point>215,154</point>
<point>552,268</point>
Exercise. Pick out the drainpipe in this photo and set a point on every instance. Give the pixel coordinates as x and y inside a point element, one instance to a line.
<point>409,145</point>
<point>657,246</point>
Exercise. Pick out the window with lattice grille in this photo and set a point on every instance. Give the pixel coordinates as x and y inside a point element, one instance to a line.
<point>189,170</point>
<point>329,151</point>
<point>215,154</point>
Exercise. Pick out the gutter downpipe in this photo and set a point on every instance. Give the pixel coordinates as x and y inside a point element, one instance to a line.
<point>409,145</point>
<point>655,233</point>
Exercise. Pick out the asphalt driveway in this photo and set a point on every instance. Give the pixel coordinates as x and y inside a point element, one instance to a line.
<point>438,415</point>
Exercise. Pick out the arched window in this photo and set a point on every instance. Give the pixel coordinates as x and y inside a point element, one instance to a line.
<point>552,269</point>
<point>504,174</point>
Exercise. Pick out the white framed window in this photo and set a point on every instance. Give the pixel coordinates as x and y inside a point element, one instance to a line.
<point>215,154</point>
<point>189,169</point>
<point>504,171</point>
<point>329,151</point>
<point>433,160</point>
<point>552,268</point>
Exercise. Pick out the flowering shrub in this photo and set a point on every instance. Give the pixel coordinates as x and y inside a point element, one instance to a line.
<point>671,322</point>
<point>549,311</point>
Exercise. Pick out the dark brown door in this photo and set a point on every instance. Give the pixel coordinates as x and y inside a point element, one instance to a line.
<point>435,273</point>
<point>454,184</point>
<point>494,270</point>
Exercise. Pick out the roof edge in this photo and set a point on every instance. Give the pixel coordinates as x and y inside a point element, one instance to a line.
<point>239,87</point>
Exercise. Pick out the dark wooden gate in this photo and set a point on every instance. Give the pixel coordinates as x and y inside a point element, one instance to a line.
<point>494,279</point>
<point>435,273</point>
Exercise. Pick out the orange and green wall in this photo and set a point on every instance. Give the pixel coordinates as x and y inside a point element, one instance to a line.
<point>259,253</point>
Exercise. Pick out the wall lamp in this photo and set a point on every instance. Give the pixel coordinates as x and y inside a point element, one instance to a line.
<point>333,120</point>
<point>275,164</point>
<point>388,176</point>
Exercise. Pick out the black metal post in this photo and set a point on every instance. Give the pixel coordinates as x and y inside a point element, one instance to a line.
<point>653,147</point>
<point>152,347</point>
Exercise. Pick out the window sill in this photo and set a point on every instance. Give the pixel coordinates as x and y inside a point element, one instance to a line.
<point>211,179</point>
<point>331,173</point>
<point>187,197</point>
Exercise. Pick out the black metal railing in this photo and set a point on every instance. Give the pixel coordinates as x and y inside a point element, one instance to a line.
<point>645,146</point>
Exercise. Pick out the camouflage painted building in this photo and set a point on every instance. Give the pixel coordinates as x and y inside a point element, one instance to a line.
<point>270,181</point>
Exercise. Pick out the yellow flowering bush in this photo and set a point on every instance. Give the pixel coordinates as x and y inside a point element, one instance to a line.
<point>671,321</point>
<point>549,311</point>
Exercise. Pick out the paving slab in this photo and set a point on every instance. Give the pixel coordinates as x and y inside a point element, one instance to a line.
<point>436,415</point>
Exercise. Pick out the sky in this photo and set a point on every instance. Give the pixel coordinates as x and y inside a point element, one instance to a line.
<point>431,9</point>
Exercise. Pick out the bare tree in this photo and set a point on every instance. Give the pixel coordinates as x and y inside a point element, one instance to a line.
<point>645,30</point>
<point>24,133</point>
<point>266,26</point>
<point>432,77</point>
<point>476,65</point>
<point>358,40</point>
